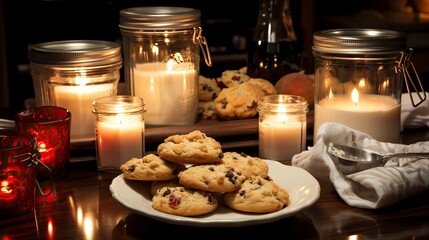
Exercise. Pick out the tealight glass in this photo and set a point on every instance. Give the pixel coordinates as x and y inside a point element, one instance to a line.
<point>17,173</point>
<point>50,125</point>
<point>119,127</point>
<point>282,126</point>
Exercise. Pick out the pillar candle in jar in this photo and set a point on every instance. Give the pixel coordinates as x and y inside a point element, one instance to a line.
<point>78,100</point>
<point>376,115</point>
<point>119,138</point>
<point>281,137</point>
<point>171,95</point>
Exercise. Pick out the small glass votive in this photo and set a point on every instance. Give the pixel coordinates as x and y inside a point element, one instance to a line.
<point>17,174</point>
<point>282,126</point>
<point>50,125</point>
<point>119,128</point>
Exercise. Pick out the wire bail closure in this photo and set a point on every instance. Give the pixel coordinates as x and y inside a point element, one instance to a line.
<point>198,38</point>
<point>403,66</point>
<point>33,159</point>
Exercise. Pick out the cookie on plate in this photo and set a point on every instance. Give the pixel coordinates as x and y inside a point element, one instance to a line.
<point>156,185</point>
<point>230,78</point>
<point>247,165</point>
<point>211,178</point>
<point>194,148</point>
<point>184,201</point>
<point>208,89</point>
<point>238,102</point>
<point>257,195</point>
<point>150,167</point>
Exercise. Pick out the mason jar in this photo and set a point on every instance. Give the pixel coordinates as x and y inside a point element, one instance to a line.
<point>359,75</point>
<point>282,126</point>
<point>119,127</point>
<point>72,74</point>
<point>161,61</point>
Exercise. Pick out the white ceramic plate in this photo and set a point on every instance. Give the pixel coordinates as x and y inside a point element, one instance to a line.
<point>302,187</point>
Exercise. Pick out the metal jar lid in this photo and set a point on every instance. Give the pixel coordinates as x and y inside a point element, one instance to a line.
<point>158,18</point>
<point>76,53</point>
<point>359,41</point>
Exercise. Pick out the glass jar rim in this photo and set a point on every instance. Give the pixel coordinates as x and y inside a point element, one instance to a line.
<point>76,53</point>
<point>359,41</point>
<point>124,103</point>
<point>159,18</point>
<point>282,103</point>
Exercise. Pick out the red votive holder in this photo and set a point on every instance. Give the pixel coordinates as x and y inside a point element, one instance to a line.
<point>50,125</point>
<point>17,173</point>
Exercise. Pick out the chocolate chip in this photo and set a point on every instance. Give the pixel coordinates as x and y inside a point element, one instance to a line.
<point>131,168</point>
<point>232,177</point>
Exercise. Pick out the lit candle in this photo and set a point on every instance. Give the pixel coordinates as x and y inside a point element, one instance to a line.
<point>282,126</point>
<point>281,137</point>
<point>171,95</point>
<point>78,100</point>
<point>376,115</point>
<point>120,138</point>
<point>119,130</point>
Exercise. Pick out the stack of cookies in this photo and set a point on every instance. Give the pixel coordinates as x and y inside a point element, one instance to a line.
<point>191,174</point>
<point>234,95</point>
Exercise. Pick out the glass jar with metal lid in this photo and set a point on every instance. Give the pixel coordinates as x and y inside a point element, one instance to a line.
<point>359,76</point>
<point>72,74</point>
<point>161,48</point>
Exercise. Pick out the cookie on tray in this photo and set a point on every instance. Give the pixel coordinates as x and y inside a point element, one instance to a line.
<point>247,165</point>
<point>257,195</point>
<point>193,148</point>
<point>206,110</point>
<point>238,102</point>
<point>150,167</point>
<point>211,178</point>
<point>230,78</point>
<point>265,85</point>
<point>183,201</point>
<point>208,89</point>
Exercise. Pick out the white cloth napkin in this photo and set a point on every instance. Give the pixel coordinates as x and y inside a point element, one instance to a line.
<point>373,188</point>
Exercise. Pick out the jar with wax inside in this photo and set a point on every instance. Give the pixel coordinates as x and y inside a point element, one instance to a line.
<point>359,76</point>
<point>161,61</point>
<point>119,126</point>
<point>282,126</point>
<point>72,74</point>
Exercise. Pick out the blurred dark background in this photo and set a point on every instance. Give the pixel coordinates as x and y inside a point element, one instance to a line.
<point>227,27</point>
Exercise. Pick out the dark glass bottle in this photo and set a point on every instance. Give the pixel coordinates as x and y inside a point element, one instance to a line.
<point>272,52</point>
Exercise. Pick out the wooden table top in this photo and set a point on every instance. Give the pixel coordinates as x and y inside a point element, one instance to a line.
<point>85,209</point>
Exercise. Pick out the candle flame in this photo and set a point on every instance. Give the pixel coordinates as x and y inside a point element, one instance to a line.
<point>355,96</point>
<point>362,83</point>
<point>5,188</point>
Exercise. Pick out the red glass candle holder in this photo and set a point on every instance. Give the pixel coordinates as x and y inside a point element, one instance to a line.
<point>17,173</point>
<point>50,125</point>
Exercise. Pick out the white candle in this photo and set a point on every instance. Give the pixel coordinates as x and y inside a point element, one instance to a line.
<point>119,138</point>
<point>376,115</point>
<point>281,137</point>
<point>170,95</point>
<point>78,100</point>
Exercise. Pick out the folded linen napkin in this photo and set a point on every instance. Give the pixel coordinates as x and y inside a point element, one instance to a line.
<point>372,188</point>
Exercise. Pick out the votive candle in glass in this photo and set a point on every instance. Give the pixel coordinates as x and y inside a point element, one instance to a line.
<point>282,126</point>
